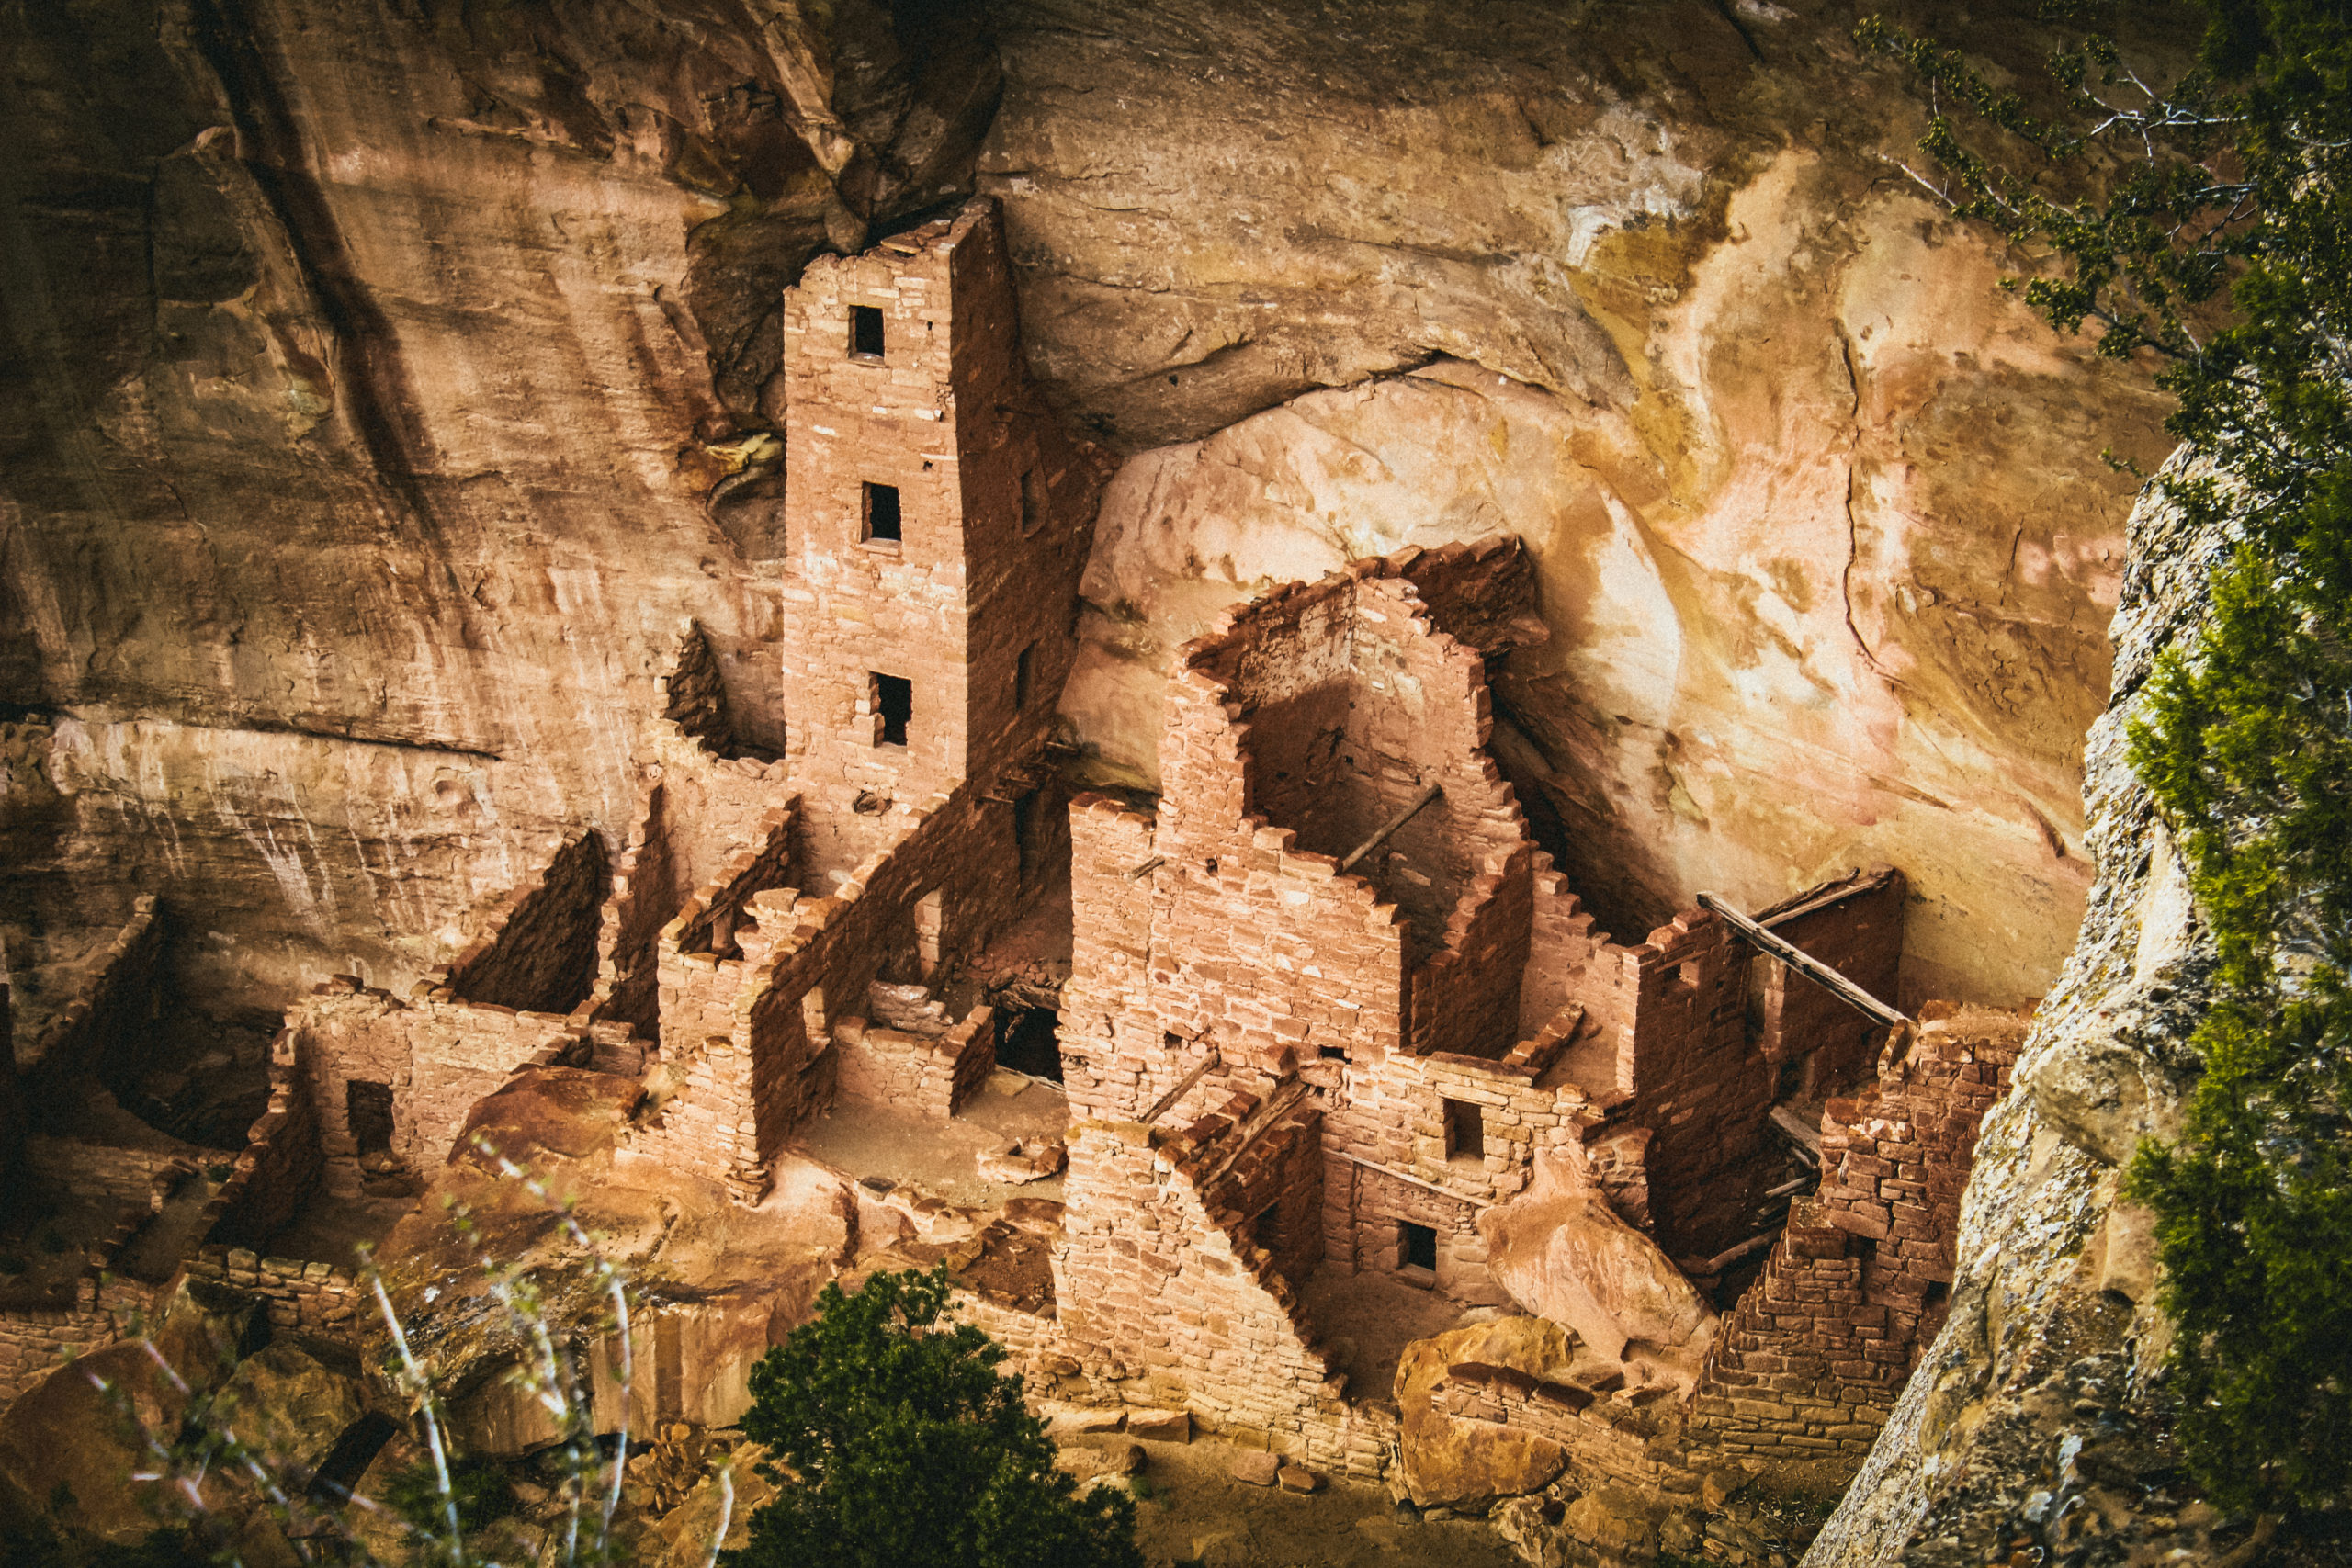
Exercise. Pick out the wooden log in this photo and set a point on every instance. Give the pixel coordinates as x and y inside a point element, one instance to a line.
<point>1395,822</point>
<point>1805,963</point>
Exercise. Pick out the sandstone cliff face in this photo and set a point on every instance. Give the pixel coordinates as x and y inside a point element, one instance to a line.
<point>2030,1422</point>
<point>384,383</point>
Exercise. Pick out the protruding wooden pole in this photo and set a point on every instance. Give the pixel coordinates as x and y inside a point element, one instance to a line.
<point>1395,822</point>
<point>1805,963</point>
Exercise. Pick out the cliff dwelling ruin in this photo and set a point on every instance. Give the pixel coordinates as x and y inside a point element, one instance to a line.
<point>1300,1103</point>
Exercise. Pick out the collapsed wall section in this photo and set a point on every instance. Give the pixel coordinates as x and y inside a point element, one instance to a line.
<point>1817,1044</point>
<point>1159,1289</point>
<point>1817,1351</point>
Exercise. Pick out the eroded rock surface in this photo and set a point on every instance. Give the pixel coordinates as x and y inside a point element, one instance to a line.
<point>385,386</point>
<point>1565,1255</point>
<point>1827,546</point>
<point>2030,1423</point>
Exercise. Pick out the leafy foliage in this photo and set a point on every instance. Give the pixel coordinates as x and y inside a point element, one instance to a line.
<point>2238,177</point>
<point>898,1444</point>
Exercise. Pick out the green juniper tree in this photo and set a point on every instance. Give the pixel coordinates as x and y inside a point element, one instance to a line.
<point>2219,243</point>
<point>898,1444</point>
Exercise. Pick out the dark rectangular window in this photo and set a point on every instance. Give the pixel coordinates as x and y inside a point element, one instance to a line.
<point>1034,500</point>
<point>865,331</point>
<point>881,511</point>
<point>1023,674</point>
<point>367,1112</point>
<point>1266,1230</point>
<point>894,699</point>
<point>1418,1248</point>
<point>1466,1130</point>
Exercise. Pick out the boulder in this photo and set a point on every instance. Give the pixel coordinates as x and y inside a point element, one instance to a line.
<point>1298,1478</point>
<point>1565,1255</point>
<point>1450,1462</point>
<point>63,1447</point>
<point>1256,1468</point>
<point>285,1403</point>
<point>1161,1426</point>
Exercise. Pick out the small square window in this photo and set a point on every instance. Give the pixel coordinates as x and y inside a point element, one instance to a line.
<point>1025,670</point>
<point>882,511</point>
<point>1416,1246</point>
<point>894,699</point>
<point>865,332</point>
<point>1466,1130</point>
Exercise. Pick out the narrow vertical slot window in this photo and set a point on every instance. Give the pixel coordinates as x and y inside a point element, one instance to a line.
<point>1033,501</point>
<point>1025,674</point>
<point>894,699</point>
<point>882,512</point>
<point>865,332</point>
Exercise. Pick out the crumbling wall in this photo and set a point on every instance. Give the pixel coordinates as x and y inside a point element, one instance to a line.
<point>693,694</point>
<point>317,1298</point>
<point>1818,1349</point>
<point>932,1075</point>
<point>1702,1090</point>
<point>629,930</point>
<point>435,1056</point>
<point>281,1165</point>
<point>1819,1045</point>
<point>538,954</point>
<point>106,1029</point>
<point>1192,1317</point>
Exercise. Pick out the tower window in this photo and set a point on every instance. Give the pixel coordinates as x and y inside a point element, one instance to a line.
<point>894,699</point>
<point>1466,1130</point>
<point>882,511</point>
<point>865,332</point>
<point>1416,1246</point>
<point>1024,670</point>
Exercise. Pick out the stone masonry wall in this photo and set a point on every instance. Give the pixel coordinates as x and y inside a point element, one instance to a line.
<point>930,1075</point>
<point>628,930</point>
<point>1189,1314</point>
<point>759,1058</point>
<point>436,1057</point>
<point>103,1031</point>
<point>282,1163</point>
<point>1819,1045</point>
<point>1817,1350</point>
<point>540,952</point>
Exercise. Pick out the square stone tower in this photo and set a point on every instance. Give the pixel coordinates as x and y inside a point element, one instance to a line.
<point>929,610</point>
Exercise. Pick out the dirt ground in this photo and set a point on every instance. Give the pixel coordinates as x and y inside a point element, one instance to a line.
<point>1196,1512</point>
<point>942,1157</point>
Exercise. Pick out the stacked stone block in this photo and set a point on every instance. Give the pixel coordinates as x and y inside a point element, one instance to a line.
<point>1819,1347</point>
<point>282,1163</point>
<point>103,1030</point>
<point>930,1074</point>
<point>539,953</point>
<point>995,510</point>
<point>1182,1313</point>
